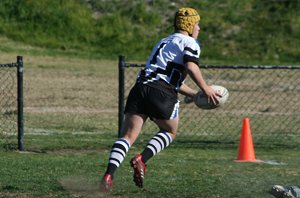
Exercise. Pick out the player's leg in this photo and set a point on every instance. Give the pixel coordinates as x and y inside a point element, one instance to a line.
<point>168,126</point>
<point>167,109</point>
<point>167,133</point>
<point>135,116</point>
<point>157,143</point>
<point>132,126</point>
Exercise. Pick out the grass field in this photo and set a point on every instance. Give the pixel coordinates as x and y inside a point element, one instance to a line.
<point>66,155</point>
<point>176,172</point>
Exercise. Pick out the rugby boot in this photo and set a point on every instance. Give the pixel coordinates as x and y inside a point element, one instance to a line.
<point>107,182</point>
<point>139,168</point>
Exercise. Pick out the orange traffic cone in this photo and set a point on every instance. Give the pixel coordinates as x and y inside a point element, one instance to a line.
<point>246,148</point>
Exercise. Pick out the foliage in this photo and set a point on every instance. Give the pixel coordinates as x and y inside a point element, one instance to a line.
<point>231,30</point>
<point>46,23</point>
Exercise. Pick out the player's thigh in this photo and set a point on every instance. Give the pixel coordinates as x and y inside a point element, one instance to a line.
<point>170,126</point>
<point>132,126</point>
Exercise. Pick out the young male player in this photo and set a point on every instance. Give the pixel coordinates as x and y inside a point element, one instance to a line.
<point>154,95</point>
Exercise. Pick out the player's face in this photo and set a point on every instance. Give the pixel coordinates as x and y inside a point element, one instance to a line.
<point>196,30</point>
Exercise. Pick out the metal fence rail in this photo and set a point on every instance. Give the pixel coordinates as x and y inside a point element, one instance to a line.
<point>11,105</point>
<point>268,95</point>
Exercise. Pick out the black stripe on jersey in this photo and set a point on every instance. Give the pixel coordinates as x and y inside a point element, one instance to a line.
<point>187,58</point>
<point>168,71</point>
<point>143,76</point>
<point>154,58</point>
<point>195,52</point>
<point>171,70</point>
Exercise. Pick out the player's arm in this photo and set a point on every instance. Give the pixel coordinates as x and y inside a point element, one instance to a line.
<point>195,73</point>
<point>187,91</point>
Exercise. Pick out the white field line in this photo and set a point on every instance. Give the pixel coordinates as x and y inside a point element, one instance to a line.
<point>68,110</point>
<point>34,131</point>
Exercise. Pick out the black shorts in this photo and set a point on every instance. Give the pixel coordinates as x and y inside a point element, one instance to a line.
<point>153,102</point>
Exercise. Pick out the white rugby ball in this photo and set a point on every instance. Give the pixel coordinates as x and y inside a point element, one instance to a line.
<point>201,99</point>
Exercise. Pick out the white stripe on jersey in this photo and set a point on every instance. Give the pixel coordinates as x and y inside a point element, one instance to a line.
<point>168,57</point>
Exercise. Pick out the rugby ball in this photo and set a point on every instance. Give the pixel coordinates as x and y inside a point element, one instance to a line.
<point>201,99</point>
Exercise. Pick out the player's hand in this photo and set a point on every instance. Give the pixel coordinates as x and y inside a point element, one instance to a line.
<point>212,95</point>
<point>188,99</point>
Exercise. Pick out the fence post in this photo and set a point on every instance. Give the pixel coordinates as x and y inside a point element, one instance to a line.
<point>20,103</point>
<point>121,93</point>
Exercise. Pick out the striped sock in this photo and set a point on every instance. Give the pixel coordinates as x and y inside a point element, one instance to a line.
<point>160,141</point>
<point>117,155</point>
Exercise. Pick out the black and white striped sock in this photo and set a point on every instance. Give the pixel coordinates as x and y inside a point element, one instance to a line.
<point>159,142</point>
<point>117,154</point>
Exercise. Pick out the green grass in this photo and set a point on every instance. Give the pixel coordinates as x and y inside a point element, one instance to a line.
<point>176,172</point>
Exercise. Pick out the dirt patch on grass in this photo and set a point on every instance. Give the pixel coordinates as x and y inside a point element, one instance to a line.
<point>80,187</point>
<point>11,194</point>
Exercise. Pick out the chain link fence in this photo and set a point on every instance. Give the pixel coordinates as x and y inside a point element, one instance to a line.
<point>70,97</point>
<point>65,97</point>
<point>268,95</point>
<point>11,105</point>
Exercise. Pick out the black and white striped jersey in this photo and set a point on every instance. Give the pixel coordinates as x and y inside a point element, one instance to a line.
<point>167,60</point>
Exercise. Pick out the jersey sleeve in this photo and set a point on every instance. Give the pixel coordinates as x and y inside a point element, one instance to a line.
<point>191,52</point>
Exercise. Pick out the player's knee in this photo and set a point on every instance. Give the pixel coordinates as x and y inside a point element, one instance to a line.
<point>173,134</point>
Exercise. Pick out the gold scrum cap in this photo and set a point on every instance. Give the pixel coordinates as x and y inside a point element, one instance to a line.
<point>185,19</point>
